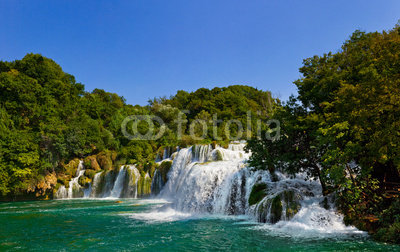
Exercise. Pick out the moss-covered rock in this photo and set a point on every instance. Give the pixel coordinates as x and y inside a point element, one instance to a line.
<point>104,159</point>
<point>291,199</point>
<point>272,208</point>
<point>218,156</point>
<point>114,156</point>
<point>144,185</point>
<point>90,162</point>
<point>130,184</point>
<point>42,186</point>
<point>276,209</point>
<point>150,168</point>
<point>84,181</point>
<point>214,144</point>
<point>258,192</point>
<point>77,191</point>
<point>90,173</point>
<point>164,168</point>
<point>160,153</point>
<point>71,167</point>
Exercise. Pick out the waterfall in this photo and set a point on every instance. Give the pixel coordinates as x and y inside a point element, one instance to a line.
<point>201,153</point>
<point>130,183</point>
<point>202,180</point>
<point>61,193</point>
<point>96,186</point>
<point>87,191</point>
<point>157,183</point>
<point>215,187</point>
<point>109,184</point>
<point>119,183</point>
<point>75,190</point>
<point>166,154</point>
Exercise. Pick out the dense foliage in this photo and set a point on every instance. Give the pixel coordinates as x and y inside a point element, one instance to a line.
<point>48,119</point>
<point>222,110</point>
<point>344,128</point>
<point>48,122</point>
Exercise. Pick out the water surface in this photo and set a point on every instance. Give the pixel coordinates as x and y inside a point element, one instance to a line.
<point>151,225</point>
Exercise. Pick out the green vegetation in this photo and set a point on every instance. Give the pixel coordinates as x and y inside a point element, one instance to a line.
<point>276,209</point>
<point>258,192</point>
<point>233,102</point>
<point>292,205</point>
<point>48,123</point>
<point>343,129</point>
<point>164,168</point>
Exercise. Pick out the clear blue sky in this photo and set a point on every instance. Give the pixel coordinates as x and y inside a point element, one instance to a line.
<point>143,49</point>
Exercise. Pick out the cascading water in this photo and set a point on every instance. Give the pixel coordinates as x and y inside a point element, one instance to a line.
<point>105,184</point>
<point>196,185</point>
<point>215,187</point>
<point>75,190</point>
<point>217,181</point>
<point>168,151</point>
<point>157,183</point>
<point>130,189</point>
<point>119,183</point>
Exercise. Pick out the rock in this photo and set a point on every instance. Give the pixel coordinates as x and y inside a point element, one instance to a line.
<point>160,153</point>
<point>144,185</point>
<point>292,205</point>
<point>276,209</point>
<point>164,168</point>
<point>150,167</point>
<point>104,159</point>
<point>90,173</point>
<point>90,162</point>
<point>63,179</point>
<point>84,181</point>
<point>218,156</point>
<point>271,207</point>
<point>258,192</point>
<point>71,167</point>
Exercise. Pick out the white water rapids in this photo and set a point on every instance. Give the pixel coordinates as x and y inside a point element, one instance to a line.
<point>218,182</point>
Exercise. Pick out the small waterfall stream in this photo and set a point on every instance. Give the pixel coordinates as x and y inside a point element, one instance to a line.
<point>74,190</point>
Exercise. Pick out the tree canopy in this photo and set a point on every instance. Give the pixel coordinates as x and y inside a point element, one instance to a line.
<point>343,126</point>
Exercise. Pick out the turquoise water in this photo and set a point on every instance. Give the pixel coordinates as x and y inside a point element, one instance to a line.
<point>151,225</point>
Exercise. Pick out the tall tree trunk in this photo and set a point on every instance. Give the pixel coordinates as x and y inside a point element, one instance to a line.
<point>324,188</point>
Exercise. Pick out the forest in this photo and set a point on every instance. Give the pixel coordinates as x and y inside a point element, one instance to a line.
<point>342,128</point>
<point>48,121</point>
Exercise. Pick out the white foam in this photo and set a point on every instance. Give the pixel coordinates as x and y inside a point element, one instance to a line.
<point>165,215</point>
<point>313,221</point>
